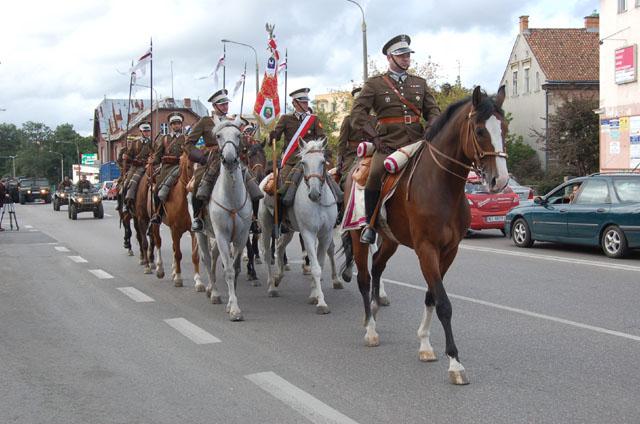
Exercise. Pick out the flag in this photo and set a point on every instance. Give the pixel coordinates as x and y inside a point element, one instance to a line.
<point>219,65</point>
<point>282,67</point>
<point>141,66</point>
<point>267,106</point>
<point>238,85</point>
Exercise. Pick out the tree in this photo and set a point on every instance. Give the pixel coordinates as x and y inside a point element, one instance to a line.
<point>9,146</point>
<point>448,94</point>
<point>573,137</point>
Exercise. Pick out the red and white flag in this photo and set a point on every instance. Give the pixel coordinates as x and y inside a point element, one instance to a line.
<point>238,84</point>
<point>267,106</point>
<point>140,68</point>
<point>302,130</point>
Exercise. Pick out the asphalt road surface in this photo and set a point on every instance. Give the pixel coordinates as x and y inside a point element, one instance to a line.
<point>547,335</point>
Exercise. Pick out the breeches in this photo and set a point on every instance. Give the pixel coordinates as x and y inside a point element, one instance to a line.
<point>205,179</point>
<point>376,171</point>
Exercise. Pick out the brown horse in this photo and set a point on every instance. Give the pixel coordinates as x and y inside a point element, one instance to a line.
<point>148,235</point>
<point>177,218</point>
<point>256,161</point>
<point>429,212</point>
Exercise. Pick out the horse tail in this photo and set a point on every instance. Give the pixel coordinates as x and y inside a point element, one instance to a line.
<point>347,250</point>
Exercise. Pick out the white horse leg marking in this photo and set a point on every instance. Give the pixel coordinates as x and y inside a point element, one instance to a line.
<point>371,337</point>
<point>426,352</point>
<point>216,298</point>
<point>228,262</point>
<point>457,373</point>
<point>335,280</point>
<point>384,299</point>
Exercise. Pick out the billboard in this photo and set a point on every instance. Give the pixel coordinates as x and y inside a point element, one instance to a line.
<point>626,64</point>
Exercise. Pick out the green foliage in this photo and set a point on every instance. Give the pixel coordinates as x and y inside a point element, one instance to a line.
<point>448,94</point>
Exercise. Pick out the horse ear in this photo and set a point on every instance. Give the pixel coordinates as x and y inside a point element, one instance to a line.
<point>238,121</point>
<point>476,96</point>
<point>301,143</point>
<point>501,95</point>
<point>325,143</point>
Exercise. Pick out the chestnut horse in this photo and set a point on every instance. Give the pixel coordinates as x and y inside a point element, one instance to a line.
<point>255,159</point>
<point>429,212</point>
<point>148,235</point>
<point>177,218</point>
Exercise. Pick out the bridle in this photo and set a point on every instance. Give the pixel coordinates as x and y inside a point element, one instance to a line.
<point>321,177</point>
<point>478,153</point>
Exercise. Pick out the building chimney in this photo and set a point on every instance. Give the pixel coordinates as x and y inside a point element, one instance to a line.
<point>524,24</point>
<point>592,22</point>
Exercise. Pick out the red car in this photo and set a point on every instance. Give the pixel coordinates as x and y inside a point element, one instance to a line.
<point>488,210</point>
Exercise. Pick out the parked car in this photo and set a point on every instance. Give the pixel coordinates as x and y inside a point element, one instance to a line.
<point>34,188</point>
<point>85,201</point>
<point>104,188</point>
<point>112,194</point>
<point>597,210</point>
<point>523,192</point>
<point>488,210</point>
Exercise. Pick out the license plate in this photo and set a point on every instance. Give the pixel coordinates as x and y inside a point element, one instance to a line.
<point>495,218</point>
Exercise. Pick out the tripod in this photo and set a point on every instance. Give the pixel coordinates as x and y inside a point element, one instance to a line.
<point>10,208</point>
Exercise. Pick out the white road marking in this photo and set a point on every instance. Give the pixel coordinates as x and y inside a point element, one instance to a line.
<point>103,275</point>
<point>525,312</point>
<point>529,255</point>
<point>61,249</point>
<point>192,331</point>
<point>28,226</point>
<point>33,230</point>
<point>135,294</point>
<point>78,259</point>
<point>308,406</point>
<point>106,214</point>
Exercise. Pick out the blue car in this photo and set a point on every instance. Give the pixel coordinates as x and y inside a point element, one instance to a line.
<point>598,210</point>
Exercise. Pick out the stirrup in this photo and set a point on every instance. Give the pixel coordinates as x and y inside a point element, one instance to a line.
<point>368,235</point>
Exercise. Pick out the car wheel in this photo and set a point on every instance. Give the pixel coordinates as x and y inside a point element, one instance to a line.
<point>99,212</point>
<point>614,242</point>
<point>521,234</point>
<point>73,212</point>
<point>22,200</point>
<point>56,205</point>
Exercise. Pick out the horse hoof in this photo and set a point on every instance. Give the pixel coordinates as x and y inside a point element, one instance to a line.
<point>236,316</point>
<point>346,277</point>
<point>177,283</point>
<point>384,301</point>
<point>338,285</point>
<point>141,262</point>
<point>256,283</point>
<point>147,270</point>
<point>252,277</point>
<point>312,300</point>
<point>372,341</point>
<point>273,293</point>
<point>258,261</point>
<point>306,270</point>
<point>322,310</point>
<point>160,274</point>
<point>427,356</point>
<point>200,288</point>
<point>287,267</point>
<point>216,300</point>
<point>130,252</point>
<point>458,378</point>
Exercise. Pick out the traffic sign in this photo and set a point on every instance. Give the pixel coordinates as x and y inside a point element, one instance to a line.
<point>89,158</point>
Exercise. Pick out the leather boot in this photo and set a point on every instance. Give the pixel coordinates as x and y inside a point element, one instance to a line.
<point>370,202</point>
<point>197,224</point>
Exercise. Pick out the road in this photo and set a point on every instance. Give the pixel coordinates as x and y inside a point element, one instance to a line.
<point>549,334</point>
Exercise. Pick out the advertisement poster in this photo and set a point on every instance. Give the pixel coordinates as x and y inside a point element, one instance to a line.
<point>614,129</point>
<point>614,148</point>
<point>625,60</point>
<point>604,126</point>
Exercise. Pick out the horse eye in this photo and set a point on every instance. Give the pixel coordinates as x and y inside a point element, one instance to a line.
<point>479,131</point>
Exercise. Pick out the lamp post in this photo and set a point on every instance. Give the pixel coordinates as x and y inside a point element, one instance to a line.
<point>13,159</point>
<point>365,73</point>
<point>224,40</point>
<point>61,163</point>
<point>79,159</point>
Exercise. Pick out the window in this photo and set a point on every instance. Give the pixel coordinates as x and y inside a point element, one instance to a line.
<point>333,106</point>
<point>595,192</point>
<point>164,128</point>
<point>627,189</point>
<point>515,84</point>
<point>622,6</point>
<point>526,80</point>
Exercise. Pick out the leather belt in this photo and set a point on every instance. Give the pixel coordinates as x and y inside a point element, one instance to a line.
<point>406,119</point>
<point>170,160</point>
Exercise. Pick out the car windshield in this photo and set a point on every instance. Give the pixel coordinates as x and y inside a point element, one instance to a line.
<point>627,189</point>
<point>42,182</point>
<point>26,182</point>
<point>513,183</point>
<point>473,188</point>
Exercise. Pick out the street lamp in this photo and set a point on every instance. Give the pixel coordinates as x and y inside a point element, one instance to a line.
<point>365,73</point>
<point>13,158</point>
<point>256,55</point>
<point>61,163</point>
<point>77,149</point>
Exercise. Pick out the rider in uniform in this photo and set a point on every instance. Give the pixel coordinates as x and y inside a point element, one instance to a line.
<point>348,142</point>
<point>65,183</point>
<point>84,184</point>
<point>124,163</point>
<point>288,125</point>
<point>208,159</point>
<point>167,155</point>
<point>139,153</point>
<point>399,101</point>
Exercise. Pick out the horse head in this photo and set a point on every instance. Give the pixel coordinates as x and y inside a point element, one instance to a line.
<point>256,160</point>
<point>487,130</point>
<point>228,135</point>
<point>313,166</point>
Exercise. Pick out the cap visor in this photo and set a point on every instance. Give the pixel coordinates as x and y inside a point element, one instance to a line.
<point>402,50</point>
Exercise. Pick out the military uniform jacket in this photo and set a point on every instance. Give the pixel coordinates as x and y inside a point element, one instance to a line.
<point>140,152</point>
<point>376,95</point>
<point>203,128</point>
<point>288,125</point>
<point>350,137</point>
<point>171,145</point>
<point>84,185</point>
<point>122,163</point>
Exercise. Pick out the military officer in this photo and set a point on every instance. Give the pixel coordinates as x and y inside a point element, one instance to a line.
<point>65,183</point>
<point>124,164</point>
<point>288,125</point>
<point>399,101</point>
<point>84,184</point>
<point>167,154</point>
<point>139,153</point>
<point>348,141</point>
<point>207,159</point>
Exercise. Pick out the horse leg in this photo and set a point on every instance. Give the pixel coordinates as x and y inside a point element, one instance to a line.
<point>195,259</point>
<point>145,249</point>
<point>361,258</point>
<point>216,298</point>
<point>229,264</point>
<point>254,246</point>
<point>205,256</point>
<point>335,281</point>
<point>251,270</point>
<point>136,226</point>
<point>426,353</point>
<point>379,263</point>
<point>316,259</point>
<point>430,263</point>
<point>176,236</point>
<point>384,298</point>
<point>157,241</point>
<point>281,256</point>
<point>306,267</point>
<point>127,235</point>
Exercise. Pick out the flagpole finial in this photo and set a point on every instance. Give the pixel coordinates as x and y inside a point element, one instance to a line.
<point>270,28</point>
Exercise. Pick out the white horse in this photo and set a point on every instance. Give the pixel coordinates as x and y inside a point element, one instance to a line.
<point>226,226</point>
<point>313,214</point>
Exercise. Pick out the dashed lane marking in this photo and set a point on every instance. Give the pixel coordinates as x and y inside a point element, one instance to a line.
<point>103,275</point>
<point>78,259</point>
<point>192,331</point>
<point>28,227</point>
<point>108,215</point>
<point>308,406</point>
<point>525,312</point>
<point>135,294</point>
<point>61,249</point>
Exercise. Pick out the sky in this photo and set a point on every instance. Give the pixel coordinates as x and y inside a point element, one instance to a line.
<point>59,59</point>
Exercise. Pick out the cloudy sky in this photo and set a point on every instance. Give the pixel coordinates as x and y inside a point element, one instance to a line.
<point>59,59</point>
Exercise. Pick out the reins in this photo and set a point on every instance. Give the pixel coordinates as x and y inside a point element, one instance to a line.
<point>233,212</point>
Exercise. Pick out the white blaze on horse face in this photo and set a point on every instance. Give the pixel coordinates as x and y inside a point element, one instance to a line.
<point>495,131</point>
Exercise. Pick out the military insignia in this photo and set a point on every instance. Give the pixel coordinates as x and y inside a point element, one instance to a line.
<point>387,99</point>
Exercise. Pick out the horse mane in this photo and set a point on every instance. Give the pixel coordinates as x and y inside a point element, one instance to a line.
<point>483,112</point>
<point>317,144</point>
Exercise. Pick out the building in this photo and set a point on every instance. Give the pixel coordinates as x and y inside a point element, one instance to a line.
<point>619,88</point>
<point>337,103</point>
<point>546,67</point>
<point>109,121</point>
